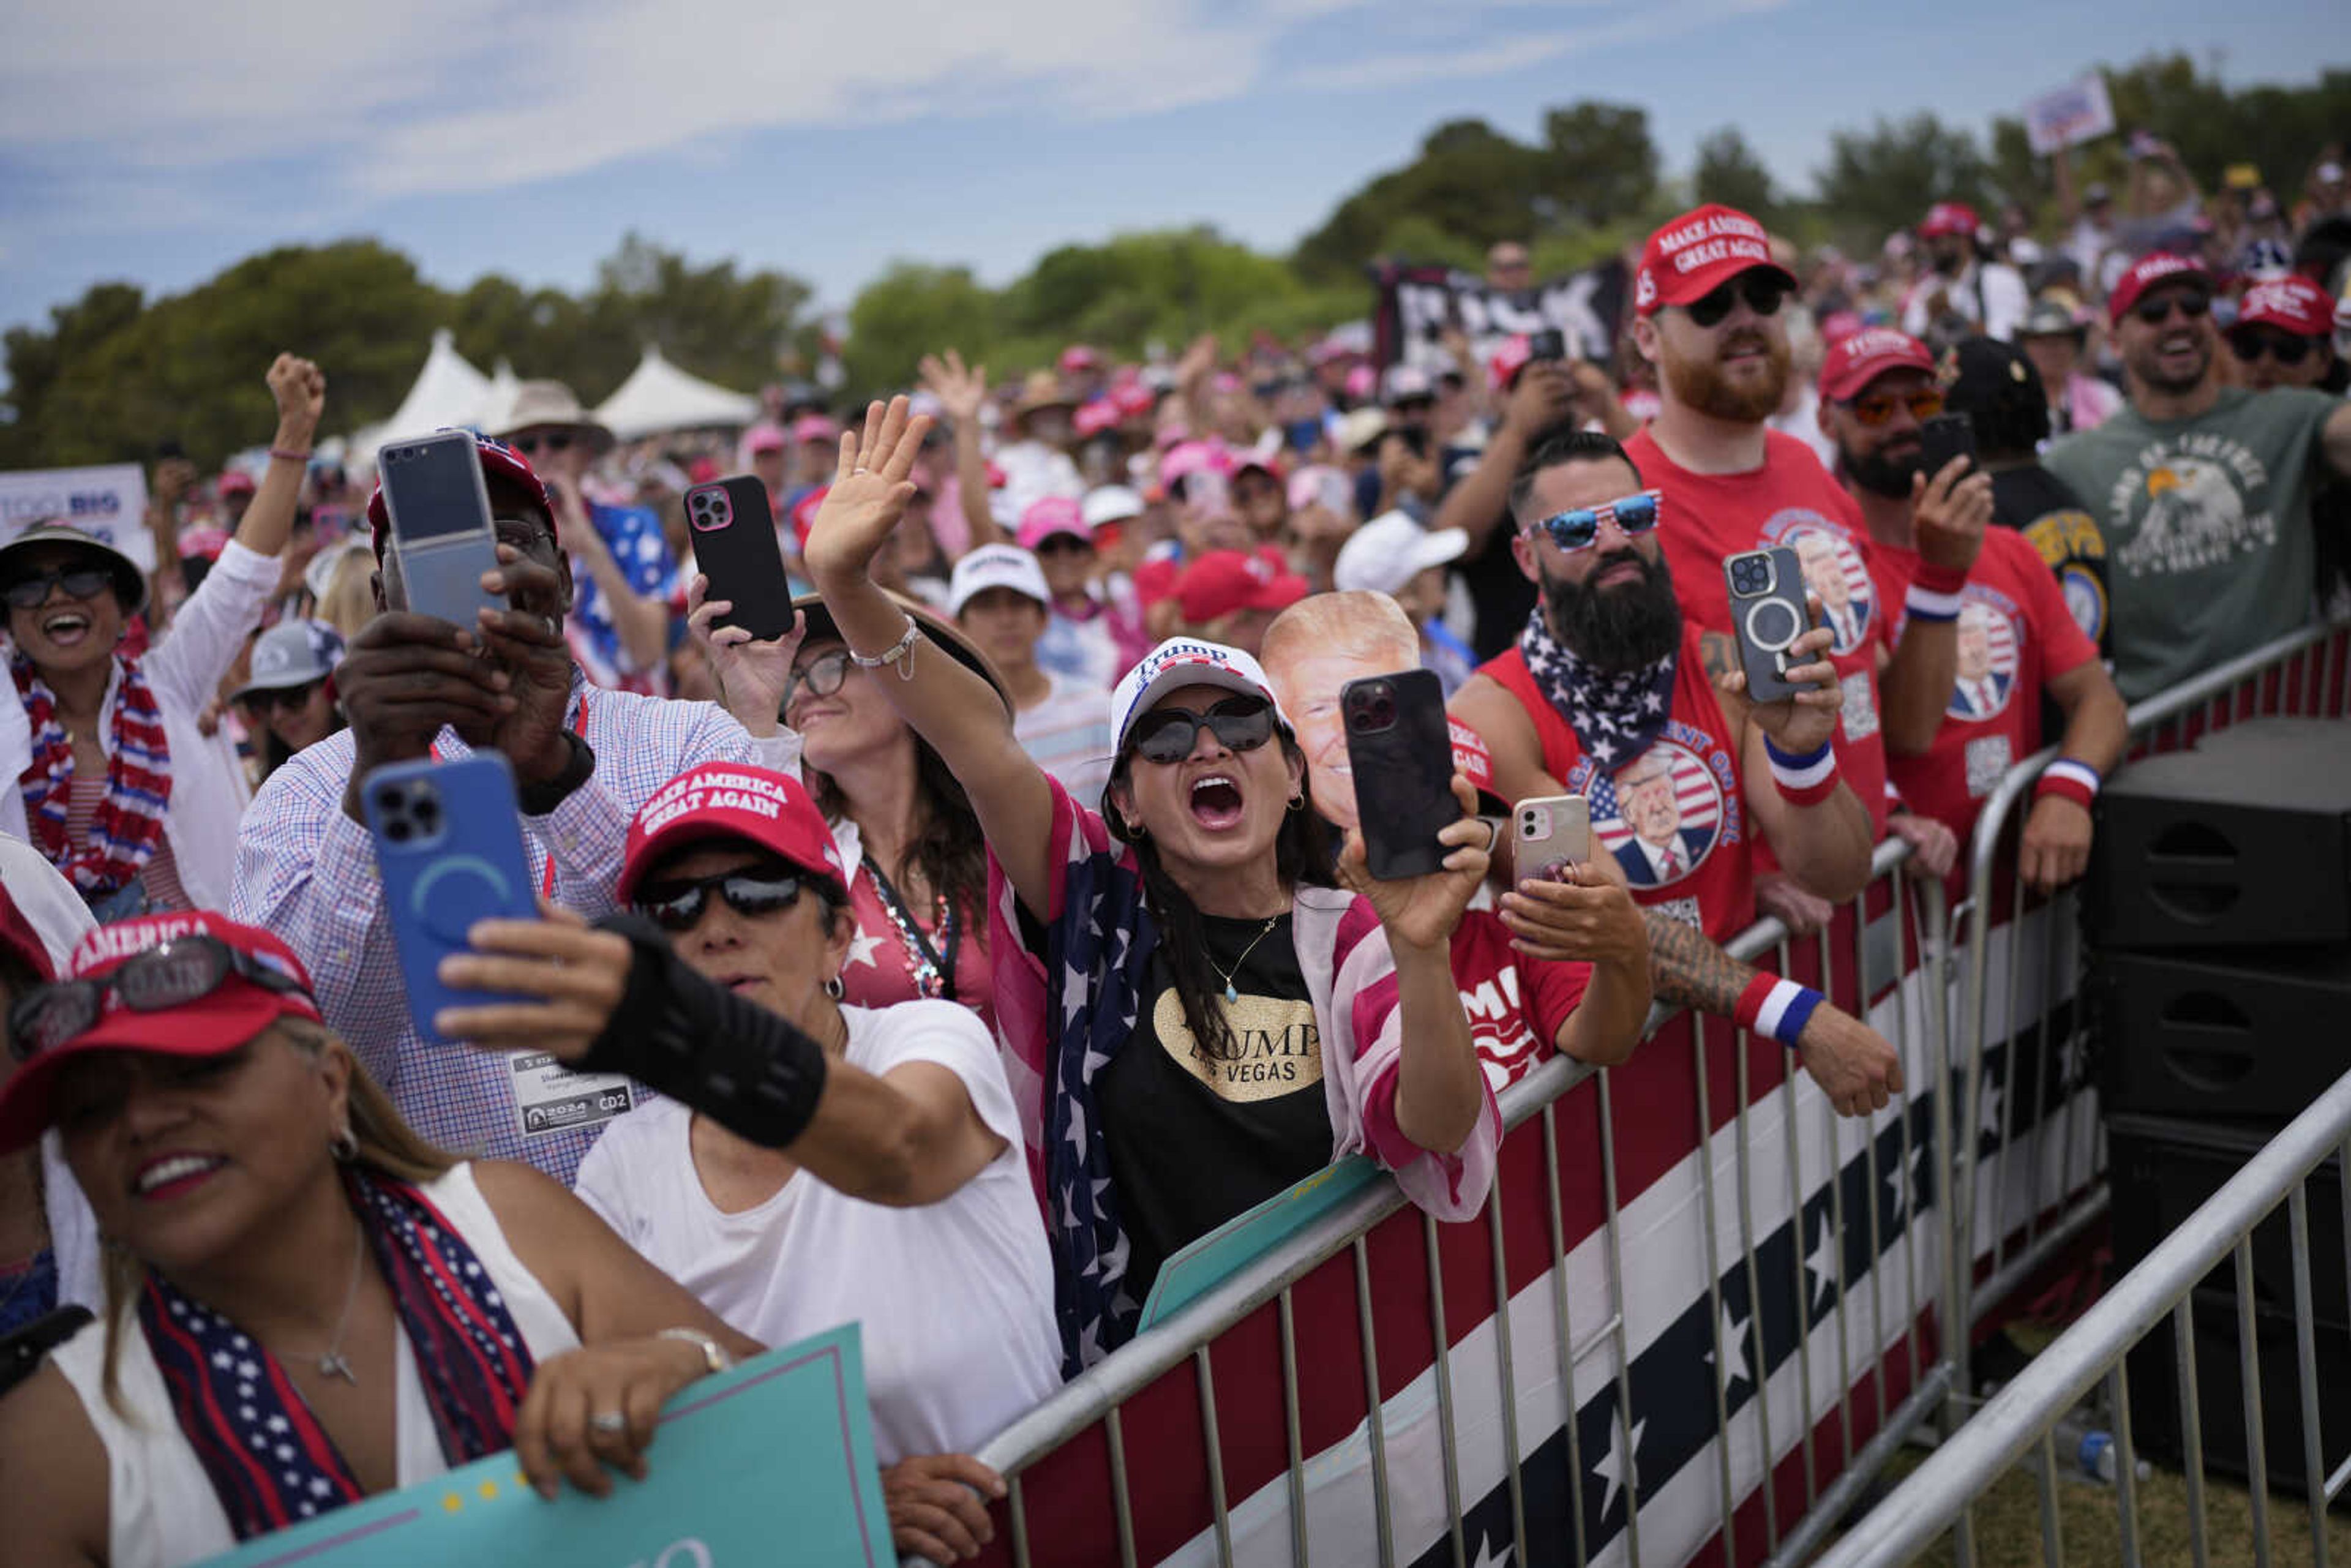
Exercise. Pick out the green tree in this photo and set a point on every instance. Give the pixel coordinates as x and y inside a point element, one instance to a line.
<point>1600,163</point>
<point>36,359</point>
<point>911,310</point>
<point>711,320</point>
<point>1729,171</point>
<point>1884,178</point>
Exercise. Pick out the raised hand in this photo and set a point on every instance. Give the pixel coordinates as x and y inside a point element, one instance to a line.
<point>869,494</point>
<point>301,388</point>
<point>526,642</point>
<point>1422,911</point>
<point>962,392</point>
<point>752,675</point>
<point>1948,513</point>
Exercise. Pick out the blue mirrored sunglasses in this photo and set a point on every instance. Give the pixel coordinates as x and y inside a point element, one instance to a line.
<point>1576,529</point>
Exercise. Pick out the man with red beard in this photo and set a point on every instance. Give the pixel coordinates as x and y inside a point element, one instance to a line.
<point>1606,695</point>
<point>2017,639</point>
<point>1706,302</point>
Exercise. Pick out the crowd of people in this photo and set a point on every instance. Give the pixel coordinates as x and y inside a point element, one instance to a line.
<point>951,962</point>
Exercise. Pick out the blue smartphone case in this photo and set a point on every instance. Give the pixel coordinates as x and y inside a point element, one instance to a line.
<point>449,844</point>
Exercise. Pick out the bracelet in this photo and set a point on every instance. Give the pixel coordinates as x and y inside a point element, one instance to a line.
<point>283,455</point>
<point>1805,780</point>
<point>2076,781</point>
<point>539,800</point>
<point>1934,594</point>
<point>1776,1008</point>
<point>715,1359</point>
<point>900,653</point>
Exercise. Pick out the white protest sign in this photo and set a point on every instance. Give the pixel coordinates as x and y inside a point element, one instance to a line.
<point>2079,111</point>
<point>110,503</point>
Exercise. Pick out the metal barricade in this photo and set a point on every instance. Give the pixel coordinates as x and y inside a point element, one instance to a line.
<point>2019,1421</point>
<point>2028,962</point>
<point>1826,1262</point>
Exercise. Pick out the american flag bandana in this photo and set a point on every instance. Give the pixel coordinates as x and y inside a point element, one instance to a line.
<point>128,823</point>
<point>1616,714</point>
<point>270,1462</point>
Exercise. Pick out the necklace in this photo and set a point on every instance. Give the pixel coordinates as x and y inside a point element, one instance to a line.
<point>934,975</point>
<point>1232,994</point>
<point>331,1361</point>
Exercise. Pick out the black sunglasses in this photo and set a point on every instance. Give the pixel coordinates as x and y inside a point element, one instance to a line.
<point>78,582</point>
<point>183,970</point>
<point>2250,343</point>
<point>676,907</point>
<point>553,441</point>
<point>1167,735</point>
<point>282,699</point>
<point>2188,302</point>
<point>1762,290</point>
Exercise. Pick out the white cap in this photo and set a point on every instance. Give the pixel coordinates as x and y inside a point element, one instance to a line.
<point>1388,552</point>
<point>1182,661</point>
<point>1110,504</point>
<point>997,566</point>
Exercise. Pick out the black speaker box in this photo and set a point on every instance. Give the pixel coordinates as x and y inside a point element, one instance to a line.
<point>2245,1035</point>
<point>2162,1169</point>
<point>2245,841</point>
<point>2154,1373</point>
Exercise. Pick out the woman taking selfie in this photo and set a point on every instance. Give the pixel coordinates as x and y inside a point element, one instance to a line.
<point>293,1272</point>
<point>1194,1018</point>
<point>918,889</point>
<point>117,783</point>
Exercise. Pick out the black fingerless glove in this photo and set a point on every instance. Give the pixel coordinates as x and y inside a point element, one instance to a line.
<point>753,1071</point>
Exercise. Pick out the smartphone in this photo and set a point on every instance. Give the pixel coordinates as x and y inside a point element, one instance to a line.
<point>1768,613</point>
<point>1550,344</point>
<point>441,525</point>
<point>1549,833</point>
<point>1944,437</point>
<point>449,845</point>
<point>1402,755</point>
<point>735,545</point>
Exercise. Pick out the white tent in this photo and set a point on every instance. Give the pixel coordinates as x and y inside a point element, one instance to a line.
<point>658,396</point>
<point>448,390</point>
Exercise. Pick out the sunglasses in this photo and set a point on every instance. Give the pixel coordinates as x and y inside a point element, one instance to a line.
<point>1064,544</point>
<point>552,441</point>
<point>1760,289</point>
<point>1876,408</point>
<point>2156,312</point>
<point>677,907</point>
<point>1167,735</point>
<point>820,677</point>
<point>2284,348</point>
<point>182,971</point>
<point>1575,530</point>
<point>79,582</point>
<point>282,699</point>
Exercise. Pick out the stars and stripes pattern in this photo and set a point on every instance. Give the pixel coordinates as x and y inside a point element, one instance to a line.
<point>634,535</point>
<point>129,824</point>
<point>1616,713</point>
<point>270,1462</point>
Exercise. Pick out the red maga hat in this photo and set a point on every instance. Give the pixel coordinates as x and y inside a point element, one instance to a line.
<point>2149,272</point>
<point>731,800</point>
<point>1855,361</point>
<point>1949,219</point>
<point>510,477</point>
<point>1697,253</point>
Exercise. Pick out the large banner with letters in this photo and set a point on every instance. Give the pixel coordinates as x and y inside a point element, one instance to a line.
<point>110,502</point>
<point>1416,304</point>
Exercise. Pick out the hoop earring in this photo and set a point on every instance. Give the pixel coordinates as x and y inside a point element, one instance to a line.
<point>1297,802</point>
<point>344,1146</point>
<point>834,987</point>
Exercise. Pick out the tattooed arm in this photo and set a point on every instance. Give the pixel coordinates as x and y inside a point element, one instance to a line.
<point>1853,1065</point>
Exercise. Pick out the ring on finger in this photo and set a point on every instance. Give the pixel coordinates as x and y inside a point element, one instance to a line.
<point>612,1422</point>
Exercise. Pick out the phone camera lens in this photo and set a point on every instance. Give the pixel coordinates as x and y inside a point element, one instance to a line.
<point>390,799</point>
<point>397,830</point>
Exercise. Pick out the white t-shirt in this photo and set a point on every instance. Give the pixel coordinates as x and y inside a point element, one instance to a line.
<point>1068,736</point>
<point>954,1298</point>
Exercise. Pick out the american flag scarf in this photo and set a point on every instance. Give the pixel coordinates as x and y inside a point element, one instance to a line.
<point>271,1463</point>
<point>1616,713</point>
<point>128,823</point>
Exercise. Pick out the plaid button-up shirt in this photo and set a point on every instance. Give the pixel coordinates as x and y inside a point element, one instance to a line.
<point>308,872</point>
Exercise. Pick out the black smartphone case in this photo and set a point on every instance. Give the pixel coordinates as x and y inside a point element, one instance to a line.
<point>1944,437</point>
<point>733,534</point>
<point>1764,683</point>
<point>1404,775</point>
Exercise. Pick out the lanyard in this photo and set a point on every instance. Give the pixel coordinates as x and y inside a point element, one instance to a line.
<point>579,728</point>
<point>934,976</point>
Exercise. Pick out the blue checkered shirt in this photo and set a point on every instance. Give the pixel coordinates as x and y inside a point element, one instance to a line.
<point>306,872</point>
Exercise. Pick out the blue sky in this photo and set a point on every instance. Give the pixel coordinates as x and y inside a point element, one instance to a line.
<point>158,142</point>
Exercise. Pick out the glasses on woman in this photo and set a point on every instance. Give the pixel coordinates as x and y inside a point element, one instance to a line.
<point>1762,290</point>
<point>1574,530</point>
<point>1875,409</point>
<point>2282,346</point>
<point>544,441</point>
<point>79,582</point>
<point>183,970</point>
<point>677,907</point>
<point>282,699</point>
<point>1167,735</point>
<point>820,677</point>
<point>2190,305</point>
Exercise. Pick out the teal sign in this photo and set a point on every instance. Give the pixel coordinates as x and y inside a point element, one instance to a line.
<point>1193,1270</point>
<point>779,1449</point>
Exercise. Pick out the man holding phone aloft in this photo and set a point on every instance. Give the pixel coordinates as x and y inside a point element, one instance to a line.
<point>584,759</point>
<point>2016,637</point>
<point>1707,303</point>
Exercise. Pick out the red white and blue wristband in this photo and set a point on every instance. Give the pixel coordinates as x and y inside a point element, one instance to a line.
<point>1806,780</point>
<point>1777,1009</point>
<point>2076,781</point>
<point>1935,592</point>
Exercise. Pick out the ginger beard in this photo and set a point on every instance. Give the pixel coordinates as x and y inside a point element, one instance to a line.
<point>1728,382</point>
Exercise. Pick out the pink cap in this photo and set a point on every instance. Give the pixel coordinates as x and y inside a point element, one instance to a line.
<point>233,482</point>
<point>205,543</point>
<point>1861,359</point>
<point>1133,400</point>
<point>1697,253</point>
<point>1051,514</point>
<point>1195,457</point>
<point>764,438</point>
<point>1078,357</point>
<point>1362,380</point>
<point>1509,359</point>
<point>1095,416</point>
<point>815,427</point>
<point>731,800</point>
<point>1224,580</point>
